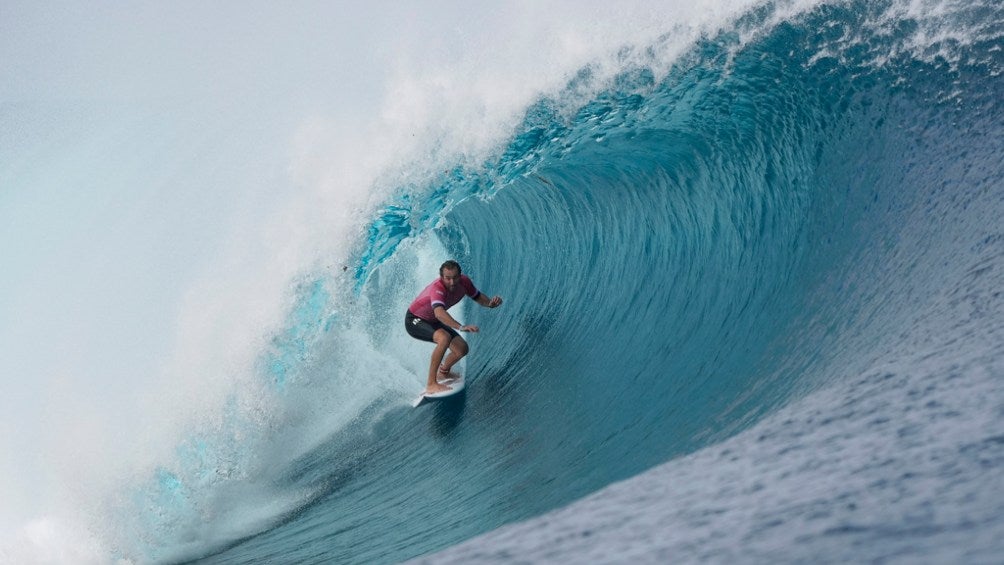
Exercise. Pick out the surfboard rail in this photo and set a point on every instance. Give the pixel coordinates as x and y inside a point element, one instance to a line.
<point>455,382</point>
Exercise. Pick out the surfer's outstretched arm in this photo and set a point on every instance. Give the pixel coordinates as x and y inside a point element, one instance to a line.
<point>493,302</point>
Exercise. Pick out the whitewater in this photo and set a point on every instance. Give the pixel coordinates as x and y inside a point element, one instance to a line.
<point>751,255</point>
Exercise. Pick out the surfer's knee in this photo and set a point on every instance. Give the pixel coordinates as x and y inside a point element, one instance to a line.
<point>442,338</point>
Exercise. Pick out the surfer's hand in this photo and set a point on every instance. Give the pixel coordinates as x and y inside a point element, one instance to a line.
<point>495,302</point>
<point>471,329</point>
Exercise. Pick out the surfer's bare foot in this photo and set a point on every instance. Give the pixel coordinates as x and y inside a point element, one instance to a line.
<point>433,389</point>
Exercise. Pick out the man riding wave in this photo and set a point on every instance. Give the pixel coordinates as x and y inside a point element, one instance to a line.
<point>427,319</point>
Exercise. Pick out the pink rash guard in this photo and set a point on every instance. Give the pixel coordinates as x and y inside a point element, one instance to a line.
<point>436,295</point>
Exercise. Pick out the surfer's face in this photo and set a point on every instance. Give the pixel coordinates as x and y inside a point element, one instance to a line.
<point>450,278</point>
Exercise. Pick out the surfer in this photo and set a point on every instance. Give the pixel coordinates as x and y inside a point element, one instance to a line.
<point>427,319</point>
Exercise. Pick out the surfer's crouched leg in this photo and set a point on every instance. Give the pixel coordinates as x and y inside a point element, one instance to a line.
<point>442,340</point>
<point>458,349</point>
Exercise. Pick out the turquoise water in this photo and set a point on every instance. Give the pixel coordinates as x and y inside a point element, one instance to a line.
<point>753,313</point>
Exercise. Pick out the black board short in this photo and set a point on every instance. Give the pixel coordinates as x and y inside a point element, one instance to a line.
<point>423,329</point>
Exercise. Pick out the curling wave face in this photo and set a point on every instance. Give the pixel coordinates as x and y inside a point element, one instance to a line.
<point>681,256</point>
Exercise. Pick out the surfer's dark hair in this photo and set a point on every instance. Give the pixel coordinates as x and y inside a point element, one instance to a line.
<point>451,265</point>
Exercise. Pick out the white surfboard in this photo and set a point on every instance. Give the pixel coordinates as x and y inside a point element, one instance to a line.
<point>455,382</point>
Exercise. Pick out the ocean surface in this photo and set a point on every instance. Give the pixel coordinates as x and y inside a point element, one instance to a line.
<point>753,274</point>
